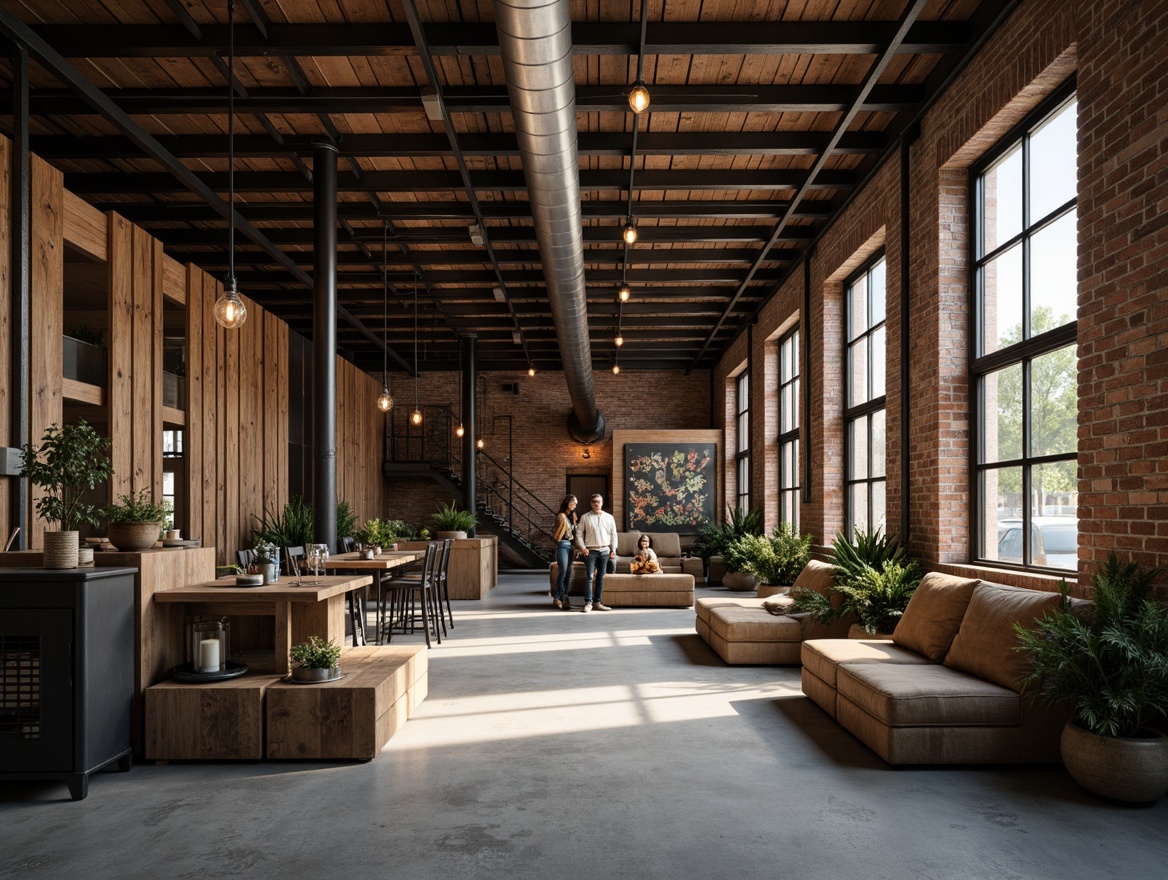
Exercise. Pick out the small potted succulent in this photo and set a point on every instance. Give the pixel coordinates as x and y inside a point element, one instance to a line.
<point>135,521</point>
<point>69,462</point>
<point>266,558</point>
<point>316,660</point>
<point>450,522</point>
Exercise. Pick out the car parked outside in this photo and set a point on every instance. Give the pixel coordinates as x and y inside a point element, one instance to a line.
<point>1054,541</point>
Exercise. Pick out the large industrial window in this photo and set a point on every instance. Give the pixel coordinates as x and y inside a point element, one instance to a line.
<point>789,483</point>
<point>742,453</point>
<point>864,415</point>
<point>1024,382</point>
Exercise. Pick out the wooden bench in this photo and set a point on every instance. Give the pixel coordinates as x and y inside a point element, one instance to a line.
<point>213,721</point>
<point>353,718</point>
<point>668,590</point>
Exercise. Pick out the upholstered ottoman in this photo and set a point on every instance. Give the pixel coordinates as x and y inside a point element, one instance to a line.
<point>668,590</point>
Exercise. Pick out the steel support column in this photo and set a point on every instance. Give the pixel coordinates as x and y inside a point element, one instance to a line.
<point>20,267</point>
<point>324,346</point>
<point>469,446</point>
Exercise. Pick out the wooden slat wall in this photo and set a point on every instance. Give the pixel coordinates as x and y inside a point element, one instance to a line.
<point>6,438</point>
<point>360,427</point>
<point>48,273</point>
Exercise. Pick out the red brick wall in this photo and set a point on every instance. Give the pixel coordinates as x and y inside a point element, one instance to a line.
<point>1115,47</point>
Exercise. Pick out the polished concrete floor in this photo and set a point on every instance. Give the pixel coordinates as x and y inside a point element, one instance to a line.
<point>606,745</point>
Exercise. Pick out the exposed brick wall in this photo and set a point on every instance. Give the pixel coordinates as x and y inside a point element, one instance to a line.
<point>1116,48</point>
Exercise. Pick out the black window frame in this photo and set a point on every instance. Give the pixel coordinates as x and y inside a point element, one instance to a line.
<point>742,440</point>
<point>789,484</point>
<point>1022,353</point>
<point>869,408</point>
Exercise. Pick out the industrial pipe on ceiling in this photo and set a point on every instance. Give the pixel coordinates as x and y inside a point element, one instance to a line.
<point>535,38</point>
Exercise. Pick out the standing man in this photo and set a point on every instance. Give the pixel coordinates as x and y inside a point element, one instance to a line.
<point>596,538</point>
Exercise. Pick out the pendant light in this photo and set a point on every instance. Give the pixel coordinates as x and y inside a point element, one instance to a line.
<point>639,95</point>
<point>416,415</point>
<point>230,312</point>
<point>385,399</point>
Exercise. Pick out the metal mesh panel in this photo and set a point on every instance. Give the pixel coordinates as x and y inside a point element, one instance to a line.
<point>20,687</point>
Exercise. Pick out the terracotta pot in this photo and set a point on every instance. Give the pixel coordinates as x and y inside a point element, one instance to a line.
<point>131,537</point>
<point>61,549</point>
<point>458,536</point>
<point>739,581</point>
<point>1120,768</point>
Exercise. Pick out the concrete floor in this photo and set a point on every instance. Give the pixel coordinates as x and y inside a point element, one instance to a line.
<point>559,744</point>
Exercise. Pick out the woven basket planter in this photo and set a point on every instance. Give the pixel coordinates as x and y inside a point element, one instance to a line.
<point>131,537</point>
<point>61,549</point>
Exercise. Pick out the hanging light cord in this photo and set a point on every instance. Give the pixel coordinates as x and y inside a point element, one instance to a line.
<point>385,305</point>
<point>415,340</point>
<point>231,144</point>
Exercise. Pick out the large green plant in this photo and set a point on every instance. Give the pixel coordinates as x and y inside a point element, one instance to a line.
<point>291,527</point>
<point>777,559</point>
<point>346,519</point>
<point>1108,665</point>
<point>137,508</point>
<point>376,531</point>
<point>714,538</point>
<point>450,519</point>
<point>70,461</point>
<point>874,580</point>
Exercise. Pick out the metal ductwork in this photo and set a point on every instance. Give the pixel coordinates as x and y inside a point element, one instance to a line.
<point>535,37</point>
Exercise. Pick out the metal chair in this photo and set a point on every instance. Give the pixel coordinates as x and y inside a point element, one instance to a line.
<point>348,545</point>
<point>395,600</point>
<point>245,557</point>
<point>443,586</point>
<point>294,557</point>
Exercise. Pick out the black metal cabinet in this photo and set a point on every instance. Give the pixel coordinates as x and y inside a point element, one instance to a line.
<point>66,673</point>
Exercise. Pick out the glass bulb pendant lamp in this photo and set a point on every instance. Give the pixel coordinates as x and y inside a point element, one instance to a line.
<point>629,233</point>
<point>624,293</point>
<point>639,98</point>
<point>229,311</point>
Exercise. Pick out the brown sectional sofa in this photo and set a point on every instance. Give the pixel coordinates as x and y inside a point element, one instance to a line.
<point>741,631</point>
<point>667,546</point>
<point>946,689</point>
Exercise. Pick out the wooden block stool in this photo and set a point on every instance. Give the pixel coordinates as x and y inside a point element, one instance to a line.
<point>353,718</point>
<point>215,721</point>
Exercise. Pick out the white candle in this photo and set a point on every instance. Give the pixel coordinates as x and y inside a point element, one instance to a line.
<point>209,655</point>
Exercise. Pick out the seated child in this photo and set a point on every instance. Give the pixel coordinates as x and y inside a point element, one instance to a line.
<point>645,562</point>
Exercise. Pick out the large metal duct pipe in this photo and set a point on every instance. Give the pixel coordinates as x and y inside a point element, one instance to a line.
<point>535,37</point>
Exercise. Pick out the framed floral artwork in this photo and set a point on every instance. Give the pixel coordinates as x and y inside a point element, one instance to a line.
<point>670,487</point>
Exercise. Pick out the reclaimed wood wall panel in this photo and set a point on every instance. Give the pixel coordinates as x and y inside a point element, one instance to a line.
<point>85,227</point>
<point>121,352</point>
<point>174,280</point>
<point>6,392</point>
<point>47,230</point>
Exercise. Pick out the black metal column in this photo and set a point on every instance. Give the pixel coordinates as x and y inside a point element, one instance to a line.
<point>324,346</point>
<point>469,447</point>
<point>20,267</point>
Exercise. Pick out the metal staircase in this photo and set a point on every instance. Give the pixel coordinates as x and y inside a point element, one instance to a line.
<point>505,507</point>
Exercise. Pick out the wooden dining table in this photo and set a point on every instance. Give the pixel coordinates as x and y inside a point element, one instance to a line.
<point>356,562</point>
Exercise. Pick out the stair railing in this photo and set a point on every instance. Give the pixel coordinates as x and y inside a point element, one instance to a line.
<point>525,513</point>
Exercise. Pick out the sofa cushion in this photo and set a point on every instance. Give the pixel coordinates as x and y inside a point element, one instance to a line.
<point>927,695</point>
<point>822,656</point>
<point>933,614</point>
<point>986,643</point>
<point>665,545</point>
<point>818,576</point>
<point>754,624</point>
<point>626,543</point>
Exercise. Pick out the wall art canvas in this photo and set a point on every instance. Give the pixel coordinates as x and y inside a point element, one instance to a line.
<point>670,487</point>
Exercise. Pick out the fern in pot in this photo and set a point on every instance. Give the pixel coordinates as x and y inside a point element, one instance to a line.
<point>135,521</point>
<point>69,462</point>
<point>450,522</point>
<point>316,659</point>
<point>1108,664</point>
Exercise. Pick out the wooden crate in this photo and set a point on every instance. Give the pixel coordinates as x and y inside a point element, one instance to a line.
<point>216,721</point>
<point>352,718</point>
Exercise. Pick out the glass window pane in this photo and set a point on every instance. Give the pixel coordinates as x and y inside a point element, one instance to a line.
<point>858,307</point>
<point>1054,289</point>
<point>1001,205</point>
<point>794,405</point>
<point>858,449</point>
<point>879,367</point>
<point>878,440</point>
<point>878,506</point>
<point>794,347</point>
<point>858,506</point>
<point>1002,414</point>
<point>1053,148</point>
<point>858,372</point>
<point>1001,300</point>
<point>876,293</point>
<point>1054,404</point>
<point>1001,501</point>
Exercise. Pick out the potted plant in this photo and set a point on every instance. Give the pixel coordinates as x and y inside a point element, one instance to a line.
<point>714,538</point>
<point>265,556</point>
<point>736,559</point>
<point>1109,665</point>
<point>135,521</point>
<point>70,461</point>
<point>316,660</point>
<point>874,579</point>
<point>777,560</point>
<point>450,522</point>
